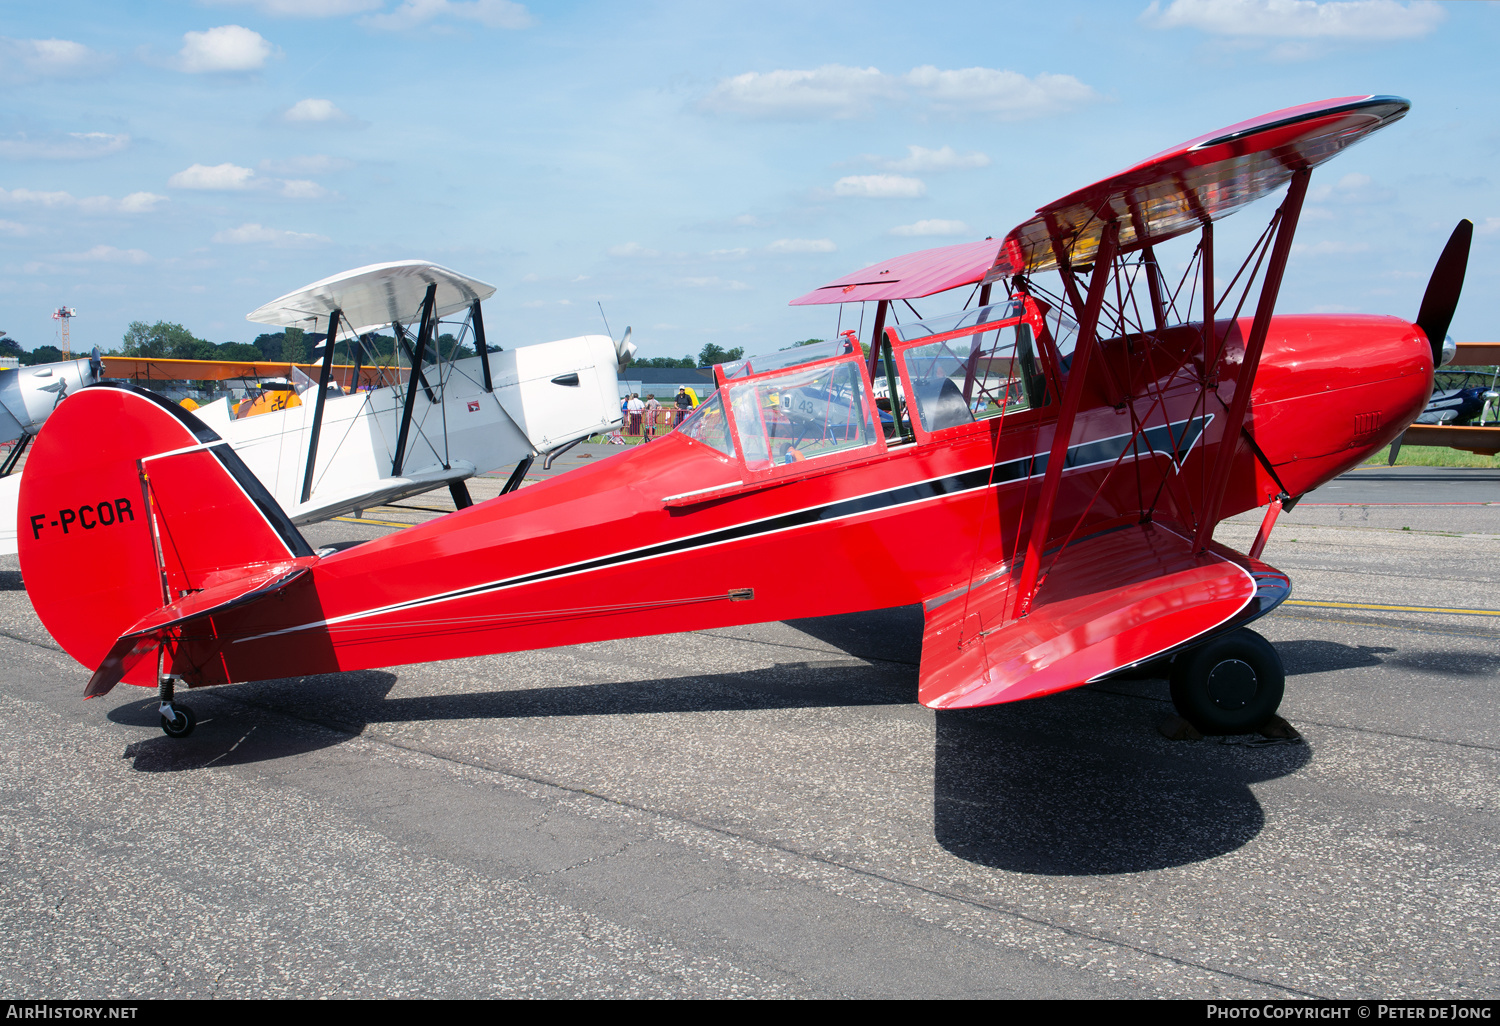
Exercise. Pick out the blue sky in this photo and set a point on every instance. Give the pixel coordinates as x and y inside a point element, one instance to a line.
<point>691,166</point>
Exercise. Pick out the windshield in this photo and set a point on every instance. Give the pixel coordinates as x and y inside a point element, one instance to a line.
<point>986,373</point>
<point>793,357</point>
<point>945,323</point>
<point>708,425</point>
<point>798,415</point>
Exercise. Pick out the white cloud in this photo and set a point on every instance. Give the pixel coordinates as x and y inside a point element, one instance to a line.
<point>316,112</point>
<point>722,284</point>
<point>219,178</point>
<point>311,165</point>
<point>301,188</point>
<point>135,203</point>
<point>226,48</point>
<point>23,59</point>
<point>920,158</point>
<point>1006,94</point>
<point>933,226</point>
<point>251,234</point>
<point>632,249</point>
<point>233,178</point>
<point>106,255</point>
<point>1354,188</point>
<point>1300,19</point>
<point>13,229</point>
<point>880,187</point>
<point>499,14</point>
<point>140,202</point>
<point>802,246</point>
<point>837,91</point>
<point>832,91</point>
<point>1490,227</point>
<point>302,8</point>
<point>734,253</point>
<point>71,146</point>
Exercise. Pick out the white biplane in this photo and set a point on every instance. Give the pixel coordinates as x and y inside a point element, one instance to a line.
<point>437,422</point>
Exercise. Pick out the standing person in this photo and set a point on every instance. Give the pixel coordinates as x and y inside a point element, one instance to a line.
<point>684,403</point>
<point>633,407</point>
<point>653,411</point>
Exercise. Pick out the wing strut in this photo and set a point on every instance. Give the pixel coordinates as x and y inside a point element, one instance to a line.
<point>317,427</point>
<point>416,371</point>
<point>1291,209</point>
<point>477,319</point>
<point>420,377</point>
<point>876,337</point>
<point>1072,398</point>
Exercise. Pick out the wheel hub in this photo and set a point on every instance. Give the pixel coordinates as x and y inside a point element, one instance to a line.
<point>1231,684</point>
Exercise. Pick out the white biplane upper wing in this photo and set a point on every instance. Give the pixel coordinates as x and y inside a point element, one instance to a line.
<point>374,296</point>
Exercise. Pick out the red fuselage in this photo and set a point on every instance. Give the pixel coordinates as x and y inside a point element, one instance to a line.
<point>616,549</point>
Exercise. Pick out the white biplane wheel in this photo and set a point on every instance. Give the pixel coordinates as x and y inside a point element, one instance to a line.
<point>182,725</point>
<point>1231,685</point>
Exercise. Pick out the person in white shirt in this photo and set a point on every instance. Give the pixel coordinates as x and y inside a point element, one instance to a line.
<point>633,408</point>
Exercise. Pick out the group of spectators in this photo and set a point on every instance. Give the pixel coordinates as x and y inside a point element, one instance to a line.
<point>641,415</point>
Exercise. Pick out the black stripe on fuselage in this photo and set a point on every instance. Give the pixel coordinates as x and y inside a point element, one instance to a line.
<point>1182,435</point>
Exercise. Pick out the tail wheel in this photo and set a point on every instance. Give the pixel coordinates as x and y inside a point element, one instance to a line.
<point>1231,685</point>
<point>182,724</point>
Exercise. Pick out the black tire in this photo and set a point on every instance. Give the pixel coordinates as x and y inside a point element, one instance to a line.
<point>1230,685</point>
<point>183,725</point>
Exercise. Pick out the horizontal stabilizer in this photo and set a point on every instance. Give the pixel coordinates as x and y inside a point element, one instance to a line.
<point>143,638</point>
<point>1113,601</point>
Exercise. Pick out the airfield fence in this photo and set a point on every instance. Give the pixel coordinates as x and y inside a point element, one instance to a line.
<point>653,423</point>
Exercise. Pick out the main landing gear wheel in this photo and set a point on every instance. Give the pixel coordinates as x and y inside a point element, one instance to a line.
<point>182,724</point>
<point>1231,685</point>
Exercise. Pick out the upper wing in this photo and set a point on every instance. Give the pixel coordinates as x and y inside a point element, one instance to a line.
<point>1113,600</point>
<point>1201,180</point>
<point>373,296</point>
<point>911,276</point>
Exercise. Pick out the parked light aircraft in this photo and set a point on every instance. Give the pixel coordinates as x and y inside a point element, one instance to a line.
<point>1056,534</point>
<point>332,453</point>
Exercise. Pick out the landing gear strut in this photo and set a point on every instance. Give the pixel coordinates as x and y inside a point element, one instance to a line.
<point>176,720</point>
<point>1230,685</point>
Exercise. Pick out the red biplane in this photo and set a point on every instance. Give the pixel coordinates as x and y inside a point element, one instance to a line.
<point>1046,480</point>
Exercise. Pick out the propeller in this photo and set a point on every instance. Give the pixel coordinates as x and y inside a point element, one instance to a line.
<point>1443,288</point>
<point>625,350</point>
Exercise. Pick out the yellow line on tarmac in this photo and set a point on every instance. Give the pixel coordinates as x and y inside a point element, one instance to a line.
<point>377,523</point>
<point>1393,609</point>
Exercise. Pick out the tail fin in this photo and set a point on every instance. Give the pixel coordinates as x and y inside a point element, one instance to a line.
<point>128,504</point>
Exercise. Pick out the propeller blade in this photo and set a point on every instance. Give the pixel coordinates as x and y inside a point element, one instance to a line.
<point>1443,288</point>
<point>625,349</point>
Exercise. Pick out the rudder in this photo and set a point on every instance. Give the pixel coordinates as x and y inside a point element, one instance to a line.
<point>128,503</point>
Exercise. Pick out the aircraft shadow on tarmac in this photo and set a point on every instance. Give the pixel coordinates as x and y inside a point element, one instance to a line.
<point>10,580</point>
<point>1063,785</point>
<point>1314,655</point>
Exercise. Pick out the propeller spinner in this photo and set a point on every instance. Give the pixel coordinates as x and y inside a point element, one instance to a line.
<point>1443,288</point>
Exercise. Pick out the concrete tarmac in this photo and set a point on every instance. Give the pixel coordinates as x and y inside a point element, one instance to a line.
<point>766,812</point>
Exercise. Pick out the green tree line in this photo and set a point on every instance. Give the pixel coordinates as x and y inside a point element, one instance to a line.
<point>164,340</point>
